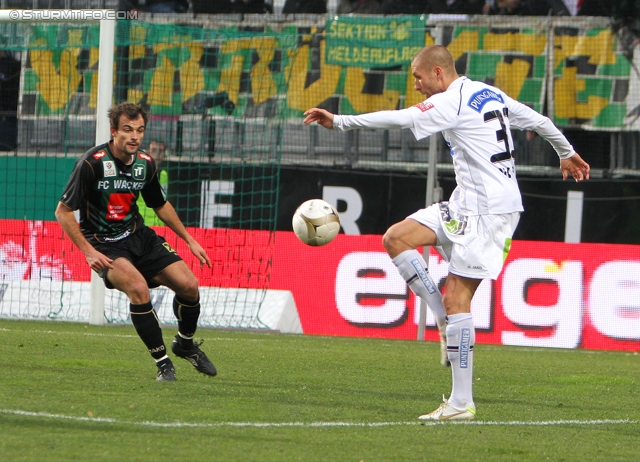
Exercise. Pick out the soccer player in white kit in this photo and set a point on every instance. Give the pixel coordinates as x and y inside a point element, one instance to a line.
<point>473,230</point>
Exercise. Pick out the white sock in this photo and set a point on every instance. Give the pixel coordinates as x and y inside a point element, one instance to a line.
<point>461,337</point>
<point>413,269</point>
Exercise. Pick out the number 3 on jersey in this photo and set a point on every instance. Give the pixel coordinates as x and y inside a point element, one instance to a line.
<point>502,137</point>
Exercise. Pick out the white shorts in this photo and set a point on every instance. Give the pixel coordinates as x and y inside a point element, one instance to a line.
<point>475,246</point>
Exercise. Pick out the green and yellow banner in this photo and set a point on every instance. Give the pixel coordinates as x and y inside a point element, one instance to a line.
<point>373,42</point>
<point>346,64</point>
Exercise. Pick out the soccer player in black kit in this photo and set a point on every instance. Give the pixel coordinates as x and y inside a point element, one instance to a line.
<point>129,256</point>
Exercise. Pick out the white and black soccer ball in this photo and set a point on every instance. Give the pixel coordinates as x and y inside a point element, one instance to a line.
<point>316,222</point>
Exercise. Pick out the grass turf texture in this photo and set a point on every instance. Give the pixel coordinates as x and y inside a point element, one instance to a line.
<point>79,392</point>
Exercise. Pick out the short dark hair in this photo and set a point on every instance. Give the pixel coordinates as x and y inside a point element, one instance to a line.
<point>130,110</point>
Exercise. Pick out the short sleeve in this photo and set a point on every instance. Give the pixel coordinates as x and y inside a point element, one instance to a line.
<point>76,191</point>
<point>433,116</point>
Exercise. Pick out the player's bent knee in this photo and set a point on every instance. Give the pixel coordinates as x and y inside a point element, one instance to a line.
<point>189,289</point>
<point>385,242</point>
<point>390,240</point>
<point>138,292</point>
<point>192,284</point>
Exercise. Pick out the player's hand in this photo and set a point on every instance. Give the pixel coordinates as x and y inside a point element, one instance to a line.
<point>324,118</point>
<point>98,261</point>
<point>200,253</point>
<point>576,167</point>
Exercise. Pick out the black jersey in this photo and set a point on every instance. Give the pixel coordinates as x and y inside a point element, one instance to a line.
<point>105,191</point>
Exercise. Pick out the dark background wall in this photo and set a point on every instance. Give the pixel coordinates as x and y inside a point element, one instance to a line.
<point>611,205</point>
<point>610,215</point>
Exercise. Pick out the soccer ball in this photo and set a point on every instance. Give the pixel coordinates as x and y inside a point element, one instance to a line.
<point>316,222</point>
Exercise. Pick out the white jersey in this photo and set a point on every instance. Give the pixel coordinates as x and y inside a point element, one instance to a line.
<point>475,120</point>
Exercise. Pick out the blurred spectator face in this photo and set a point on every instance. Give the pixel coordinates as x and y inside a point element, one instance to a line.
<point>157,150</point>
<point>509,5</point>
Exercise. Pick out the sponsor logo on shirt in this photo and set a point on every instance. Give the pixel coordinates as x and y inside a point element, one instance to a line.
<point>118,206</point>
<point>109,168</point>
<point>424,107</point>
<point>99,155</point>
<point>482,97</point>
<point>121,185</point>
<point>144,156</point>
<point>139,172</point>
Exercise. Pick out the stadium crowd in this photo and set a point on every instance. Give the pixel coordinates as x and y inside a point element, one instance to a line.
<point>618,9</point>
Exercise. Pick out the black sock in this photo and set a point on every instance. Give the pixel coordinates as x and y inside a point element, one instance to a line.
<point>163,361</point>
<point>144,319</point>
<point>187,314</point>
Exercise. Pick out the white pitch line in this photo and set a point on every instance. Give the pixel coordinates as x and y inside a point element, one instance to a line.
<point>97,334</point>
<point>543,423</point>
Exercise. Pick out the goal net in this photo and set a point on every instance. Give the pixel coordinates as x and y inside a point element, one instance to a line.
<point>213,108</point>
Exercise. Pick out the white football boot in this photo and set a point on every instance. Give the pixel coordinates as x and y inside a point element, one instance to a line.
<point>447,412</point>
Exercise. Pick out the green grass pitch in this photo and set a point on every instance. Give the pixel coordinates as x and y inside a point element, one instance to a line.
<point>86,393</point>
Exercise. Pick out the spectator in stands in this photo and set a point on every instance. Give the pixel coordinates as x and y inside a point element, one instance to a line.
<point>454,6</point>
<point>359,7</point>
<point>155,6</point>
<point>597,7</point>
<point>403,7</point>
<point>305,7</point>
<point>231,7</point>
<point>517,7</point>
<point>163,6</point>
<point>9,91</point>
<point>157,150</point>
<point>557,8</point>
<point>626,24</point>
<point>626,13</point>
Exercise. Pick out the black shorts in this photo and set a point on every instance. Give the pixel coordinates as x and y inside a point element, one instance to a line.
<point>147,251</point>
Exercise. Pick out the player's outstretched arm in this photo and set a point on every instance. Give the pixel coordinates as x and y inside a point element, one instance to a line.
<point>576,167</point>
<point>170,218</point>
<point>323,117</point>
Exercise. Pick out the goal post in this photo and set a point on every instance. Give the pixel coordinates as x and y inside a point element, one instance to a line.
<point>105,96</point>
